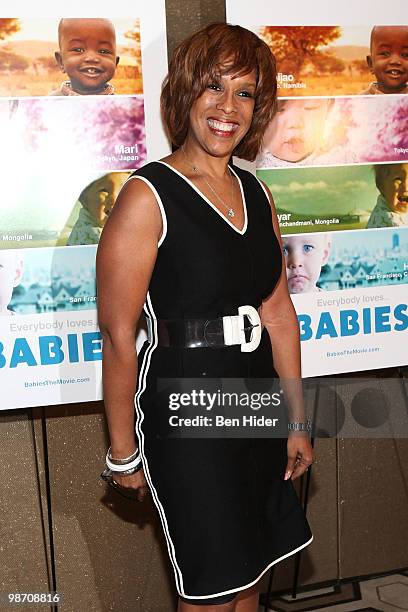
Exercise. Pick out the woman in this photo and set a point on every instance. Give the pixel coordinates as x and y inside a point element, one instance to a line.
<point>192,239</point>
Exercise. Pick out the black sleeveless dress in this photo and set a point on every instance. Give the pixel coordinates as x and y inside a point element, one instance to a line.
<point>227,513</point>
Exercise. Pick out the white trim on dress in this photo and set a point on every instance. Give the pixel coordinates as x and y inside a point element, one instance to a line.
<point>159,202</point>
<point>200,193</point>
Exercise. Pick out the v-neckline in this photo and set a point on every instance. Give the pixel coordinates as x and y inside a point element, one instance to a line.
<point>200,193</point>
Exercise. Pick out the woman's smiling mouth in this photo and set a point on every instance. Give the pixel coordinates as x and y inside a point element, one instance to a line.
<point>222,127</point>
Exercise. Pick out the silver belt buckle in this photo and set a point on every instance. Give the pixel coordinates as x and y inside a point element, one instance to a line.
<point>234,329</point>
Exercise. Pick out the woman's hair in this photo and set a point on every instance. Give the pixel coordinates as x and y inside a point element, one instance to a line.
<point>219,49</point>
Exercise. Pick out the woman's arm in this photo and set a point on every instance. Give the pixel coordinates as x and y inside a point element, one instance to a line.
<point>126,256</point>
<point>279,317</point>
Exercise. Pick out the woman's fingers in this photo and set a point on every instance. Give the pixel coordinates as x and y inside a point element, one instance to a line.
<point>300,467</point>
<point>142,492</point>
<point>300,456</point>
<point>290,465</point>
<point>134,481</point>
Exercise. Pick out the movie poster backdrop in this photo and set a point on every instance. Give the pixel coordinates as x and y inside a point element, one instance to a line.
<point>79,112</point>
<point>335,157</point>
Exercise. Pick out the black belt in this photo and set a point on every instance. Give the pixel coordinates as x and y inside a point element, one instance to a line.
<point>195,333</point>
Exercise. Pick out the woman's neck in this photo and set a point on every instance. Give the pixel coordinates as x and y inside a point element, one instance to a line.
<point>209,165</point>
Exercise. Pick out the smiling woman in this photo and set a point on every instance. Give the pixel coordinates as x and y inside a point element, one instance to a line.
<point>201,61</point>
<point>194,241</point>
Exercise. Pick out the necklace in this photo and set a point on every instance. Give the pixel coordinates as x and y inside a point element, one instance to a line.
<point>230,210</point>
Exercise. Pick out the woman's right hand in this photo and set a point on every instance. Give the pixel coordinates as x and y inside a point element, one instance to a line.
<point>134,481</point>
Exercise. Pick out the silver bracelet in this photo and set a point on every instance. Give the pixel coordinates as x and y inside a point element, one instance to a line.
<point>130,471</point>
<point>124,468</point>
<point>121,461</point>
<point>300,425</point>
<point>125,465</point>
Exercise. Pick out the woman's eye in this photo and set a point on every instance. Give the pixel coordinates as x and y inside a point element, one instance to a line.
<point>246,94</point>
<point>214,86</point>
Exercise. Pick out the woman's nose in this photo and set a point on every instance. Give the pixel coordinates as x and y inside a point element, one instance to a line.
<point>226,102</point>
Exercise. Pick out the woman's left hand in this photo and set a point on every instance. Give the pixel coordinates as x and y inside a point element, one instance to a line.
<point>300,455</point>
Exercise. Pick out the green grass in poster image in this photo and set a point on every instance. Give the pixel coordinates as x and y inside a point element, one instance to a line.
<point>322,199</point>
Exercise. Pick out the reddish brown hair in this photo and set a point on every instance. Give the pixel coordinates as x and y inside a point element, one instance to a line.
<point>217,49</point>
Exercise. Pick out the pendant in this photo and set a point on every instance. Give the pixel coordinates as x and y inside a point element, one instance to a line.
<point>231,213</point>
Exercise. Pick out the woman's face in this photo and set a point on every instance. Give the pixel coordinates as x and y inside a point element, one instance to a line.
<point>222,115</point>
<point>297,129</point>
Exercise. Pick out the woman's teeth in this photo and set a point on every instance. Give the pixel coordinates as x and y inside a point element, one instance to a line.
<point>220,126</point>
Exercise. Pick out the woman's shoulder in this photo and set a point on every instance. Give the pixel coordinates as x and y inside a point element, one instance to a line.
<point>147,168</point>
<point>156,170</point>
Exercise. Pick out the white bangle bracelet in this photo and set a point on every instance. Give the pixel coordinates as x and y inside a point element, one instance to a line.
<point>124,459</point>
<point>123,468</point>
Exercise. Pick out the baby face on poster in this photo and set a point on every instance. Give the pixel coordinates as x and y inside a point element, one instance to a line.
<point>298,128</point>
<point>388,59</point>
<point>87,53</point>
<point>392,181</point>
<point>305,255</point>
<point>99,197</point>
